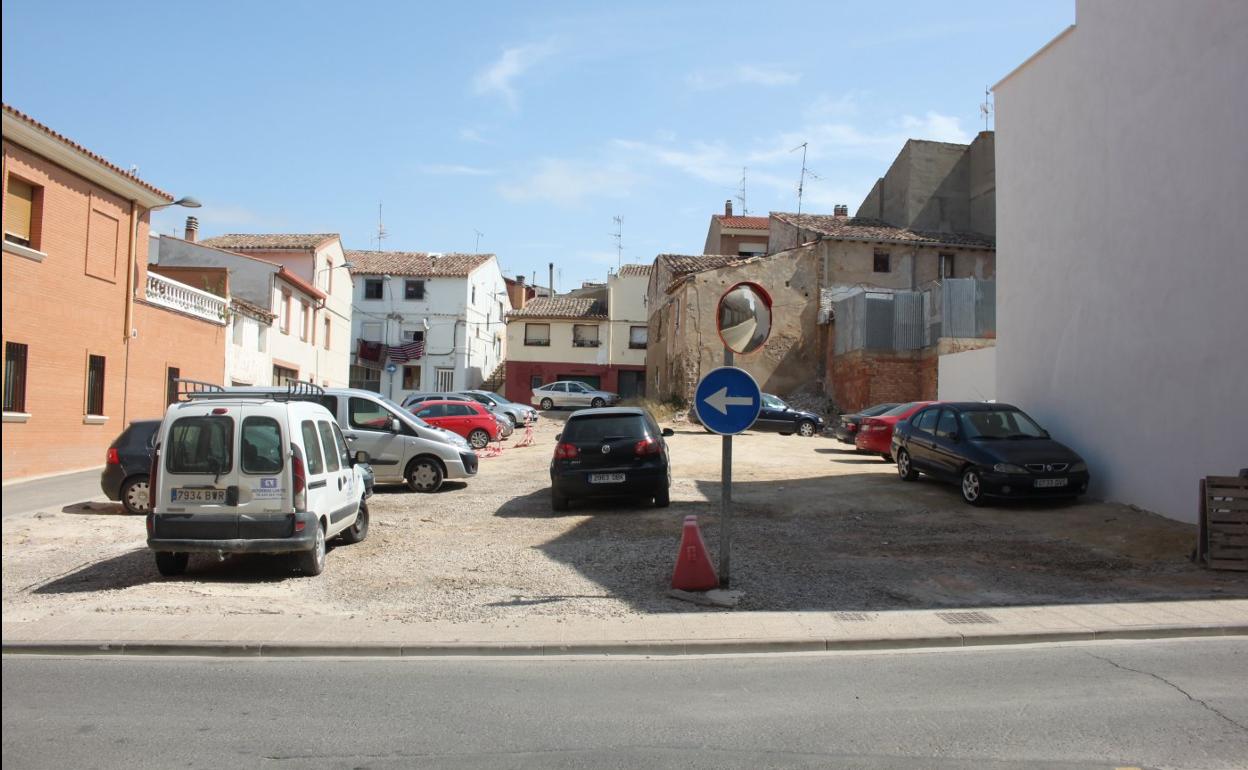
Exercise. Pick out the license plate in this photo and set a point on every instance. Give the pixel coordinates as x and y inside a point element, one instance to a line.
<point>606,478</point>
<point>1051,482</point>
<point>181,495</point>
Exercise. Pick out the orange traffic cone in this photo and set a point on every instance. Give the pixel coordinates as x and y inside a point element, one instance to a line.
<point>694,571</point>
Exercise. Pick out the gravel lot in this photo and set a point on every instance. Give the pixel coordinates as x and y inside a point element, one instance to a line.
<point>817,527</point>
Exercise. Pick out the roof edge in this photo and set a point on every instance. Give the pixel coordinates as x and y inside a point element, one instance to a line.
<point>1043,50</point>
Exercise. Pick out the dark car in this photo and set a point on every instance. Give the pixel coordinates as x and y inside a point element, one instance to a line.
<point>990,450</point>
<point>847,425</point>
<point>775,416</point>
<point>610,452</point>
<point>128,462</point>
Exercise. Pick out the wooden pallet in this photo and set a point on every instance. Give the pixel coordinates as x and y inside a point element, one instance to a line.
<point>1224,522</point>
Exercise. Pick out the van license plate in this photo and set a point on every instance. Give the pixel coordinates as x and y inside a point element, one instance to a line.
<point>181,495</point>
<point>1051,482</point>
<point>606,478</point>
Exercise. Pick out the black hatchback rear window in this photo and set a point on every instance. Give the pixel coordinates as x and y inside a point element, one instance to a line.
<point>201,445</point>
<point>600,428</point>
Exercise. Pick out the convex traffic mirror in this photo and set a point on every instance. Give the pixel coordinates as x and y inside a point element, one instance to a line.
<point>744,317</point>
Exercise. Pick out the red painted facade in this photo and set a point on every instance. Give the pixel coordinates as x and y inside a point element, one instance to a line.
<point>521,374</point>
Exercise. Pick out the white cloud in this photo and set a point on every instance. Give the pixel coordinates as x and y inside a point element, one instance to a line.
<point>469,134</point>
<point>499,77</point>
<point>451,169</point>
<point>936,127</point>
<point>569,182</point>
<point>767,75</point>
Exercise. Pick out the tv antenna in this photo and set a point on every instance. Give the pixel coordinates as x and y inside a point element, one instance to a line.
<point>986,109</point>
<point>801,182</point>
<point>381,229</point>
<point>618,235</point>
<point>741,192</point>
<point>477,248</point>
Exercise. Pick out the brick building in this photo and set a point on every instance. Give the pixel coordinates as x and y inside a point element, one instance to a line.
<point>91,338</point>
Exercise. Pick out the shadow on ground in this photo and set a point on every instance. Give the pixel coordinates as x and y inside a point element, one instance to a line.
<point>138,567</point>
<point>95,508</point>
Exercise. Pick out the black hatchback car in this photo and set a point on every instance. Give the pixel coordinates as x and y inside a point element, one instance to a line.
<point>128,462</point>
<point>610,452</point>
<point>989,450</point>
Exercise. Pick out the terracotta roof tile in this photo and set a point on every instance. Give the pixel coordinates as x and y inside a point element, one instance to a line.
<point>93,156</point>
<point>743,223</point>
<point>863,229</point>
<point>418,263</point>
<point>682,264</point>
<point>562,307</point>
<point>268,241</point>
<point>627,270</point>
<point>300,284</point>
<point>252,309</point>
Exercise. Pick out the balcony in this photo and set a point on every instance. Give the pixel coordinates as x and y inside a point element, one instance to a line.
<point>585,343</point>
<point>169,293</point>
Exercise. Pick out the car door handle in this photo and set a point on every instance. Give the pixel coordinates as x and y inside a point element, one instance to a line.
<point>350,437</point>
<point>340,483</point>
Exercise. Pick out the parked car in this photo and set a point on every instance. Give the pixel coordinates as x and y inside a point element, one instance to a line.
<point>847,425</point>
<point>775,416</point>
<point>127,464</point>
<point>466,418</point>
<point>876,433</point>
<point>505,428</point>
<point>573,394</point>
<point>411,399</point>
<point>518,414</point>
<point>252,473</point>
<point>610,452</point>
<point>989,450</point>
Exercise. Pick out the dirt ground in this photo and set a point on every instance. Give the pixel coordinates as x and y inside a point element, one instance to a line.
<point>816,527</point>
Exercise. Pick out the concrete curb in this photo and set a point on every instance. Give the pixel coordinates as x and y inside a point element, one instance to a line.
<point>597,648</point>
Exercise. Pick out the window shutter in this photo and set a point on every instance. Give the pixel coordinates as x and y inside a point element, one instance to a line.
<point>18,205</point>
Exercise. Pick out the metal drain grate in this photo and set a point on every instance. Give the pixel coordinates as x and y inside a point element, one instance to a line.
<point>966,618</point>
<point>856,617</point>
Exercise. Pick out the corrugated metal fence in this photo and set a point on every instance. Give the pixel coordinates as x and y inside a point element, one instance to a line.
<point>910,320</point>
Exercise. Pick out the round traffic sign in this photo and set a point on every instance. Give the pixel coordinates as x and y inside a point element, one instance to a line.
<point>727,400</point>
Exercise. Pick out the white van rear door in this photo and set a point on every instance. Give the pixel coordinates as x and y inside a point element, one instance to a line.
<point>263,461</point>
<point>198,460</point>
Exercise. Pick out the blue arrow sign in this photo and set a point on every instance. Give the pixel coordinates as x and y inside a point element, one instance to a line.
<point>727,400</point>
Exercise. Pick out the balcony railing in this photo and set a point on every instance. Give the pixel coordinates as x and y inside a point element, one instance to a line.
<point>169,293</point>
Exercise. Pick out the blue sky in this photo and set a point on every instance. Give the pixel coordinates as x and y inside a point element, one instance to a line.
<point>534,123</point>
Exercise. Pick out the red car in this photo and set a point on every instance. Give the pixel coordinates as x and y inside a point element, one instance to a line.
<point>467,418</point>
<point>875,435</point>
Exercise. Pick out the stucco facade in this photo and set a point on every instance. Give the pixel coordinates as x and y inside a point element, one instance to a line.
<point>1122,280</point>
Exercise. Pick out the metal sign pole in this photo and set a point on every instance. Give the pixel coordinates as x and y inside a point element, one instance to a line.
<point>725,501</point>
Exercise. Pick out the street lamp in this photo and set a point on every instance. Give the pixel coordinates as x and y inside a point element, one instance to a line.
<point>186,201</point>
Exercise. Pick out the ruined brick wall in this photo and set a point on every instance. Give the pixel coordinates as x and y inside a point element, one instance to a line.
<point>861,378</point>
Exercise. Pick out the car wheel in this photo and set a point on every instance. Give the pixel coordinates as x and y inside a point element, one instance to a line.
<point>359,530</point>
<point>312,563</point>
<point>806,428</point>
<point>136,496</point>
<point>972,487</point>
<point>547,404</point>
<point>514,424</point>
<point>557,501</point>
<point>171,564</point>
<point>424,475</point>
<point>663,499</point>
<point>887,458</point>
<point>904,467</point>
<point>479,439</point>
<point>597,403</point>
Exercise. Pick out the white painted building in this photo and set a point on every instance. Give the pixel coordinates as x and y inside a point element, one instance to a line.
<point>1122,295</point>
<point>248,360</point>
<point>455,304</point>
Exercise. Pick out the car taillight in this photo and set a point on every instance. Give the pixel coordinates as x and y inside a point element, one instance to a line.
<point>852,428</point>
<point>299,480</point>
<point>566,452</point>
<point>647,446</point>
<point>114,457</point>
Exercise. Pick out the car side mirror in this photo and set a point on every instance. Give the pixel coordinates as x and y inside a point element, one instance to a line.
<point>360,457</point>
<point>395,425</point>
<point>668,432</point>
<point>558,436</point>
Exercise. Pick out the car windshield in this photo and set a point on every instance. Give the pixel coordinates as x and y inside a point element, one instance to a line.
<point>899,409</point>
<point>603,427</point>
<point>1000,424</point>
<point>499,399</point>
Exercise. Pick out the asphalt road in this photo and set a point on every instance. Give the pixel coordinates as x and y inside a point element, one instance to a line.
<point>52,493</point>
<point>1140,704</point>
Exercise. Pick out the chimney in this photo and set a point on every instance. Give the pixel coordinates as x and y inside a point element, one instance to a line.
<point>520,279</point>
<point>728,207</point>
<point>552,279</point>
<point>192,229</point>
<point>841,210</point>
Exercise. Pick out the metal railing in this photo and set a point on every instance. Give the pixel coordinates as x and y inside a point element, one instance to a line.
<point>169,293</point>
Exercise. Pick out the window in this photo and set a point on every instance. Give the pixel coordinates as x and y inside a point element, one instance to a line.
<point>329,276</point>
<point>236,326</point>
<point>882,262</point>
<point>374,288</point>
<point>535,382</point>
<point>15,377</point>
<point>332,453</point>
<point>201,445</point>
<point>638,337</point>
<point>948,424</point>
<point>261,446</point>
<point>411,378</point>
<point>327,328</point>
<point>537,334</point>
<point>262,337</point>
<point>172,374</point>
<point>312,447</point>
<point>284,376</point>
<point>446,379</point>
<point>433,411</point>
<point>95,385</point>
<point>305,316</point>
<point>285,312</point>
<point>371,331</point>
<point>926,421</point>
<point>368,415</point>
<point>365,378</point>
<point>21,209</point>
<point>474,295</point>
<point>585,335</point>
<point>344,457</point>
<point>946,265</point>
<point>771,402</point>
<point>676,316</point>
<point>413,290</point>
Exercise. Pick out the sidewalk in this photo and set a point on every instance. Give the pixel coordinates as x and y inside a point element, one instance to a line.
<point>659,634</point>
<point>51,492</point>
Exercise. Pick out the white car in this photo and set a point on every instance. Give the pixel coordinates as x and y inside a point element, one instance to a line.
<point>573,394</point>
<point>252,473</point>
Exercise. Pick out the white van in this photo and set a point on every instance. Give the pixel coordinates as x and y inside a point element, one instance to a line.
<point>252,473</point>
<point>401,447</point>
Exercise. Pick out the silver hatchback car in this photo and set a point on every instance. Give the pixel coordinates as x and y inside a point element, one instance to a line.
<point>570,393</point>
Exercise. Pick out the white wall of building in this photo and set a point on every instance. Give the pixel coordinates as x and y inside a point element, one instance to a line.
<point>561,347</point>
<point>1122,280</point>
<point>247,357</point>
<point>288,349</point>
<point>967,376</point>
<point>626,307</point>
